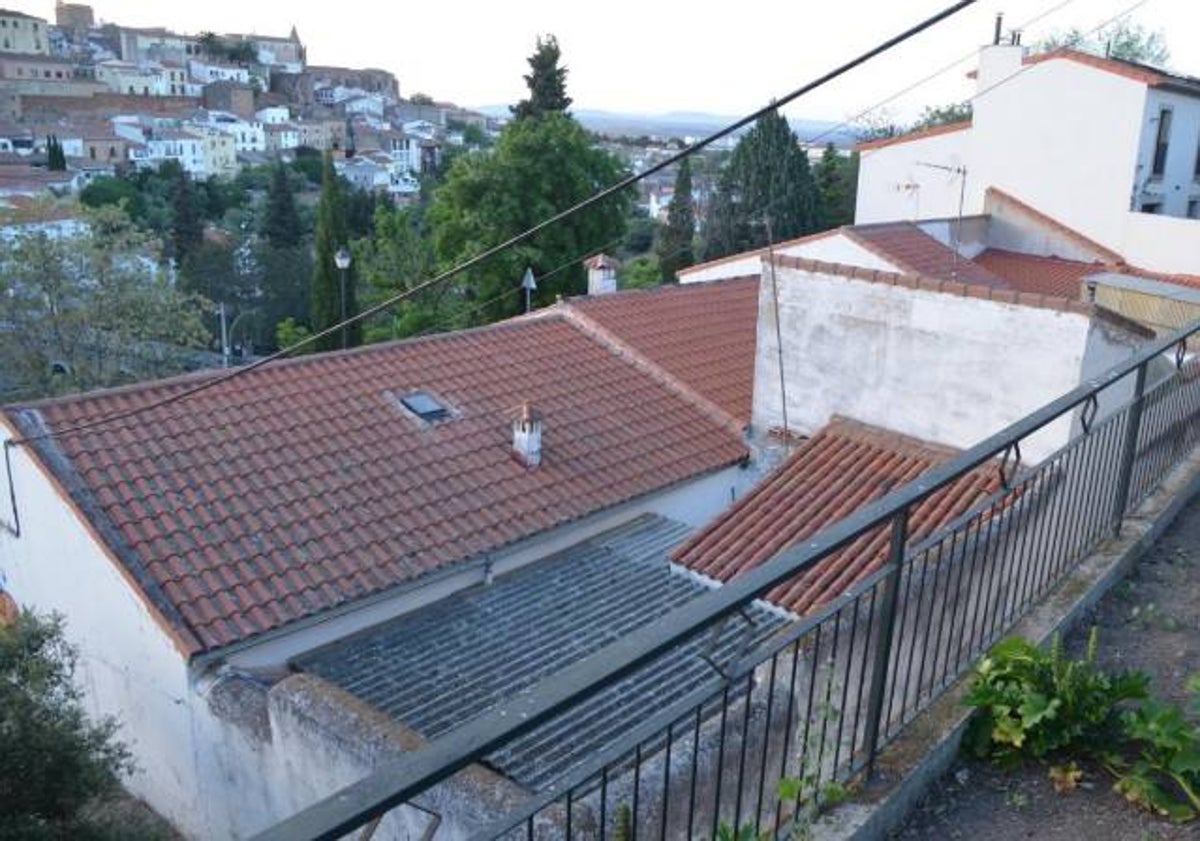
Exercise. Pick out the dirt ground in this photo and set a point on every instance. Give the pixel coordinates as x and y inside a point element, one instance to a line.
<point>1151,622</point>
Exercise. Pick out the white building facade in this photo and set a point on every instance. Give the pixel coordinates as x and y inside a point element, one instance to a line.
<point>1109,148</point>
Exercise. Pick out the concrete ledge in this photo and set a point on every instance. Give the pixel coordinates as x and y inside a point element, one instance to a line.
<point>909,766</point>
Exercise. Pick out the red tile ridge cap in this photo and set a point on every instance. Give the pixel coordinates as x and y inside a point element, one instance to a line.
<point>760,251</point>
<point>1107,253</point>
<point>919,134</point>
<point>962,290</point>
<point>1138,74</point>
<point>592,329</point>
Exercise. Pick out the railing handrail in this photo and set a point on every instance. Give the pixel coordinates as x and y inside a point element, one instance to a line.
<point>398,781</point>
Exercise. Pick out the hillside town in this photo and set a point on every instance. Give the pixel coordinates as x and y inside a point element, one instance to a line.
<point>116,98</point>
<point>483,478</point>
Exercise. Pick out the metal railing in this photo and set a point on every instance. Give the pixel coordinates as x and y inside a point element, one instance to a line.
<point>768,736</point>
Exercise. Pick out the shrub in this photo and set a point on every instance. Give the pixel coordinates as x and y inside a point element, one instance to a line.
<point>1033,703</point>
<point>53,761</point>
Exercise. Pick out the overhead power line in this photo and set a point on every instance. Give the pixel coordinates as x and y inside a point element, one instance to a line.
<point>466,265</point>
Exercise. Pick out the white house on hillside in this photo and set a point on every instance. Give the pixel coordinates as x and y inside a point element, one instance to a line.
<point>1107,147</point>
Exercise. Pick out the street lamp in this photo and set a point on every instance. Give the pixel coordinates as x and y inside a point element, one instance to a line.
<point>342,260</point>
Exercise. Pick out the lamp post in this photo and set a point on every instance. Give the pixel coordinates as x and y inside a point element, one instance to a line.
<point>342,260</point>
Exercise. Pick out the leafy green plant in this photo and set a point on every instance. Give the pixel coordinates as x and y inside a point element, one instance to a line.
<point>1164,775</point>
<point>1033,703</point>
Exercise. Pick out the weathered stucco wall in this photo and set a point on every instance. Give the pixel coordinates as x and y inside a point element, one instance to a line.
<point>939,366</point>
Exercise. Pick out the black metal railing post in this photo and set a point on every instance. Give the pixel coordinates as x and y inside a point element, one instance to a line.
<point>889,600</point>
<point>1129,449</point>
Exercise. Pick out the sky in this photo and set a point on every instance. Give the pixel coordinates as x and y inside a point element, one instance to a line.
<point>655,56</point>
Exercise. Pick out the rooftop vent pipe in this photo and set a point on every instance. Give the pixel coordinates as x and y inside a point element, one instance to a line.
<point>999,26</point>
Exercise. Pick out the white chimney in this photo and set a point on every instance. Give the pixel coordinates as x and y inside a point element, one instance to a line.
<point>602,274</point>
<point>527,436</point>
<point>996,63</point>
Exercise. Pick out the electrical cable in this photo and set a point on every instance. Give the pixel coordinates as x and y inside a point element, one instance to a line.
<point>517,239</point>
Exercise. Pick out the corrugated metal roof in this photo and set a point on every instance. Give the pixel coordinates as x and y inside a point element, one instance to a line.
<point>443,665</point>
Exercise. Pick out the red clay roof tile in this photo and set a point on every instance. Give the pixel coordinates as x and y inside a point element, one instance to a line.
<point>324,492</point>
<point>701,334</point>
<point>839,470</point>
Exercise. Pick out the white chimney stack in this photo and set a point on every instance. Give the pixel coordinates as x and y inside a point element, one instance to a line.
<point>602,274</point>
<point>527,436</point>
<point>997,62</point>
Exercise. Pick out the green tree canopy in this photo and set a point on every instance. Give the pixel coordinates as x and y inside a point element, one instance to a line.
<point>547,82</point>
<point>107,190</point>
<point>768,177</point>
<point>537,168</point>
<point>398,256</point>
<point>332,295</point>
<point>187,218</point>
<point>675,244</point>
<point>837,185</point>
<point>941,115</point>
<point>1123,39</point>
<point>281,222</point>
<point>96,305</point>
<point>53,760</point>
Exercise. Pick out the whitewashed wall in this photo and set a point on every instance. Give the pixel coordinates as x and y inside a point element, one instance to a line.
<point>942,367</point>
<point>894,185</point>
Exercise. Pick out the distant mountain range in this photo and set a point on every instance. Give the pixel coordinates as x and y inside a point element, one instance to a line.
<point>684,124</point>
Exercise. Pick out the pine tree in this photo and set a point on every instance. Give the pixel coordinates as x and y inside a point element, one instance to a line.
<point>834,188</point>
<point>187,222</point>
<point>675,244</point>
<point>547,82</point>
<point>768,179</point>
<point>281,224</point>
<point>326,293</point>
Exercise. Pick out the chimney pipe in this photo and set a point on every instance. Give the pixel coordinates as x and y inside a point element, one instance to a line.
<point>527,436</point>
<point>999,26</point>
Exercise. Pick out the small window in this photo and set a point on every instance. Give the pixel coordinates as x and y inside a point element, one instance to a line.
<point>1194,209</point>
<point>1152,207</point>
<point>425,406</point>
<point>1161,143</point>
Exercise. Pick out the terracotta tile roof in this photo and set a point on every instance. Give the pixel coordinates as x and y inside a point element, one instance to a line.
<point>1143,73</point>
<point>839,470</point>
<point>920,134</point>
<point>701,334</point>
<point>964,290</point>
<point>304,486</point>
<point>912,250</point>
<point>1041,275</point>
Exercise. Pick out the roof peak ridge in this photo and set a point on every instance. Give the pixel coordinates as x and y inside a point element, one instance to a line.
<point>604,337</point>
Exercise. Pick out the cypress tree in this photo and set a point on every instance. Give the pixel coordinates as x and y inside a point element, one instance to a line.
<point>281,225</point>
<point>768,176</point>
<point>187,223</point>
<point>325,297</point>
<point>675,244</point>
<point>547,82</point>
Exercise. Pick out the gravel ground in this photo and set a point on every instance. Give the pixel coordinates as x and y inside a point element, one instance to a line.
<point>1150,622</point>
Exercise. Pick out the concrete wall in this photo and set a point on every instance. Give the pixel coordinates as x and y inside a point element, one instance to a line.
<point>939,366</point>
<point>893,185</point>
<point>128,667</point>
<point>835,248</point>
<point>1162,243</point>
